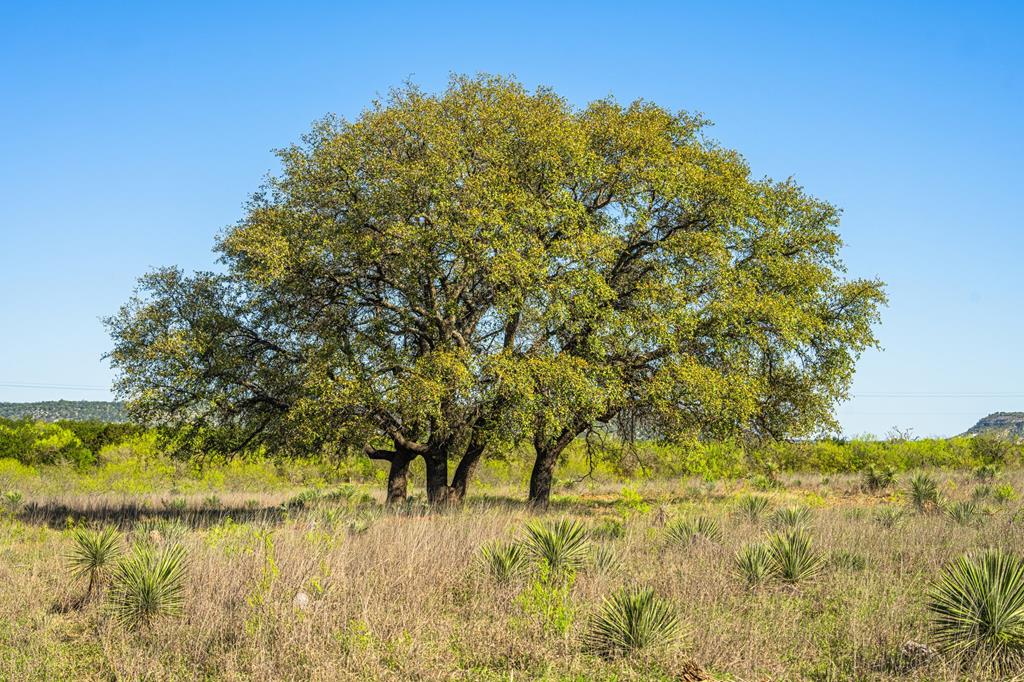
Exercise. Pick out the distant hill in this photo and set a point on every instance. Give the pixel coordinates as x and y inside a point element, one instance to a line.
<point>1008,425</point>
<point>75,410</point>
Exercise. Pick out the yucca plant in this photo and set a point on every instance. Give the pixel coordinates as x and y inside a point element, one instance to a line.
<point>889,517</point>
<point>752,507</point>
<point>848,561</point>
<point>631,620</point>
<point>753,564</point>
<point>791,517</point>
<point>923,491</point>
<point>504,561</point>
<point>147,584</point>
<point>964,513</point>
<point>977,608</point>
<point>92,553</point>
<point>878,478</point>
<point>687,531</point>
<point>986,472</point>
<point>562,545</point>
<point>608,529</point>
<point>793,556</point>
<point>12,499</point>
<point>604,560</point>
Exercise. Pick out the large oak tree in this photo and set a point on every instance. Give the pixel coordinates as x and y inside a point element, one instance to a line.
<point>450,275</point>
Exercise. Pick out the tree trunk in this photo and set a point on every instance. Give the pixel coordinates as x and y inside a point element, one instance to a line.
<point>548,451</point>
<point>542,475</point>
<point>437,478</point>
<point>398,479</point>
<point>467,465</point>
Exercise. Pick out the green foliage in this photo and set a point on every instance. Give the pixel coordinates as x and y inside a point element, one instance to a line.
<point>630,501</point>
<point>609,529</point>
<point>753,564</point>
<point>889,517</point>
<point>1005,493</point>
<point>12,500</point>
<point>751,507</point>
<point>994,452</point>
<point>793,556</point>
<point>986,472</point>
<point>630,621</point>
<point>36,443</point>
<point>147,584</point>
<point>977,608</point>
<point>92,553</point>
<point>791,517</point>
<point>924,492</point>
<point>177,505</point>
<point>879,478</point>
<point>561,546</point>
<point>504,561</point>
<point>548,601</point>
<point>684,532</point>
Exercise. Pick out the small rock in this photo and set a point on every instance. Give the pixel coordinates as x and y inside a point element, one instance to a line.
<point>915,654</point>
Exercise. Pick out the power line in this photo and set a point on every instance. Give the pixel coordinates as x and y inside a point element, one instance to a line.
<point>907,394</point>
<point>65,387</point>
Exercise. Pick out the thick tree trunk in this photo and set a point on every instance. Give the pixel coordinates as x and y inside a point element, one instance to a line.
<point>398,474</point>
<point>398,479</point>
<point>548,452</point>
<point>467,465</point>
<point>437,478</point>
<point>541,477</point>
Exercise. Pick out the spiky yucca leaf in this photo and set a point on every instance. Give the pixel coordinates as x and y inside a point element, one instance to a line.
<point>604,560</point>
<point>687,531</point>
<point>923,491</point>
<point>793,556</point>
<point>561,545</point>
<point>631,620</point>
<point>963,513</point>
<point>888,517</point>
<point>92,553</point>
<point>791,517</point>
<point>877,478</point>
<point>147,584</point>
<point>753,563</point>
<point>504,561</point>
<point>752,507</point>
<point>977,608</point>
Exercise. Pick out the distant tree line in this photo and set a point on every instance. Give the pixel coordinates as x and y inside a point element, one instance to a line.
<point>57,410</point>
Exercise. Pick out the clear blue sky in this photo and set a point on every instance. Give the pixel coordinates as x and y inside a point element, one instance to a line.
<point>133,133</point>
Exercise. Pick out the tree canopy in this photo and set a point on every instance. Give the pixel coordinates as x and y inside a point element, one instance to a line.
<point>450,275</point>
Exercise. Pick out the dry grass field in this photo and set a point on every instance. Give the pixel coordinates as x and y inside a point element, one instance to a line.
<point>331,587</point>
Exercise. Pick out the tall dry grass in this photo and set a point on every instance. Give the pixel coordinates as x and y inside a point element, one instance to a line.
<point>340,591</point>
